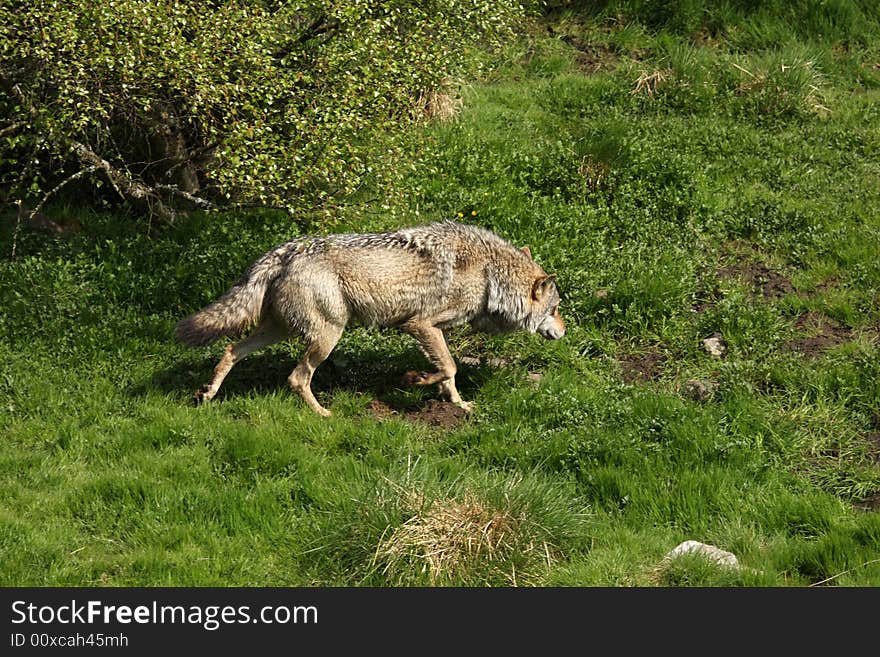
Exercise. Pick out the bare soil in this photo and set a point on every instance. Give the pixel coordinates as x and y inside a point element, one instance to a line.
<point>824,333</point>
<point>637,368</point>
<point>380,410</point>
<point>870,503</point>
<point>764,281</point>
<point>436,413</point>
<point>591,57</point>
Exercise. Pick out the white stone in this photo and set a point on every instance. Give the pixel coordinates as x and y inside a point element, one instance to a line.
<point>710,552</point>
<point>715,346</point>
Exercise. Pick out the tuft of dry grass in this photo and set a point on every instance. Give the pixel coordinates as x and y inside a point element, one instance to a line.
<point>440,104</point>
<point>648,83</point>
<point>452,540</point>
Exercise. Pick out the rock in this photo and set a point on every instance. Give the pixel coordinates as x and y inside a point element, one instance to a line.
<point>715,345</point>
<point>698,390</point>
<point>534,378</point>
<point>710,552</point>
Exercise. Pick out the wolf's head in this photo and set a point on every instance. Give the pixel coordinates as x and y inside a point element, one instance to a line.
<point>520,295</point>
<point>544,313</point>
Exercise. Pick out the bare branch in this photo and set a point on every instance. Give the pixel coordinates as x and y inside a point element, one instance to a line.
<point>195,200</point>
<point>56,189</point>
<point>124,185</point>
<point>8,130</point>
<point>16,230</point>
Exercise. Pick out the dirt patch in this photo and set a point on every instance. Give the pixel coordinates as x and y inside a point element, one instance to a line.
<point>438,414</point>
<point>869,504</point>
<point>763,280</point>
<point>638,368</point>
<point>380,410</point>
<point>435,413</point>
<point>825,333</point>
<point>591,57</point>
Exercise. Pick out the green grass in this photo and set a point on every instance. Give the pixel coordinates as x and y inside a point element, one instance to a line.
<point>685,173</point>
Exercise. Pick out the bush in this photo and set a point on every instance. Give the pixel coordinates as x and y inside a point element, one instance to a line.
<point>209,103</point>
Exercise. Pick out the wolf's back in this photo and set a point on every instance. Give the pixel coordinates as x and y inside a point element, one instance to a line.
<point>239,308</point>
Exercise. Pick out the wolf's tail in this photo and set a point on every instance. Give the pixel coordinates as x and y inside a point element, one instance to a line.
<point>240,307</point>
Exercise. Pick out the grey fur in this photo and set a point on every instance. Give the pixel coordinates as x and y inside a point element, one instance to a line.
<point>421,279</point>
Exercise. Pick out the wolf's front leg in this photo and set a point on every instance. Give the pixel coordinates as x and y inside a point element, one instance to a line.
<point>448,390</point>
<point>433,344</point>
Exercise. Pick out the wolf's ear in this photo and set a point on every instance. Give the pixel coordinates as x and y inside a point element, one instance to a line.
<point>541,285</point>
<point>527,251</point>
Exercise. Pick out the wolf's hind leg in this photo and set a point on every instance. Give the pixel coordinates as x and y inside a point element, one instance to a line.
<point>268,332</point>
<point>433,344</point>
<point>316,352</point>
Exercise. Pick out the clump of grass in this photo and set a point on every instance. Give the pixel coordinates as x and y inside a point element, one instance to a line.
<point>450,536</point>
<point>782,86</point>
<point>507,533</point>
<point>784,82</point>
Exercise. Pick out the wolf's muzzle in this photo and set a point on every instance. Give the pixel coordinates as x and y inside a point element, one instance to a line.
<point>552,328</point>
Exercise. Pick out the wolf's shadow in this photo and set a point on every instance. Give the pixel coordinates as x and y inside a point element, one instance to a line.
<point>365,372</point>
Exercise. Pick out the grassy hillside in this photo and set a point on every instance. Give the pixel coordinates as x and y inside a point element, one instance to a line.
<point>688,174</point>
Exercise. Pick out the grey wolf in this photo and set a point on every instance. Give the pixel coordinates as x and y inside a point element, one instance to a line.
<point>421,280</point>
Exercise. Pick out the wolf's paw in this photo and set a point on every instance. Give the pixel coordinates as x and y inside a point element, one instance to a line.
<point>467,407</point>
<point>414,378</point>
<point>201,396</point>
